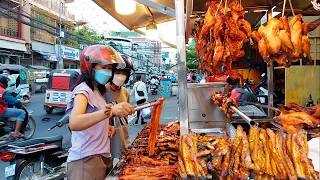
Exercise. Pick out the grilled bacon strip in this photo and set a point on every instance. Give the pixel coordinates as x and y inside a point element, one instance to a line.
<point>155,119</point>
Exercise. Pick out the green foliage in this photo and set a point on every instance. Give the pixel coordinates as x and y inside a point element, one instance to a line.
<point>85,36</point>
<point>89,34</point>
<point>192,60</point>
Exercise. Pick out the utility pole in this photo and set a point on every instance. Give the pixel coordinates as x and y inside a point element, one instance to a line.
<point>60,59</point>
<point>147,65</point>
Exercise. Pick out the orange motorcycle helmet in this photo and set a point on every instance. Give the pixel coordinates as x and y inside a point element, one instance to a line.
<point>100,54</point>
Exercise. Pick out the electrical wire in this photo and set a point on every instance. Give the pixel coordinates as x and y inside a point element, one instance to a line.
<point>69,36</point>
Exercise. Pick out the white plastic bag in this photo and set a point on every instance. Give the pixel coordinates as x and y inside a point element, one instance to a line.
<point>121,139</point>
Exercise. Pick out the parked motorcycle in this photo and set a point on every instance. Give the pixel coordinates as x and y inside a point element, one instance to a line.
<point>248,93</point>
<point>154,89</point>
<point>7,125</point>
<point>39,158</point>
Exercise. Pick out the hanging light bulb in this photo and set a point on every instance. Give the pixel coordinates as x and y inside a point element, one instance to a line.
<point>152,31</point>
<point>125,7</point>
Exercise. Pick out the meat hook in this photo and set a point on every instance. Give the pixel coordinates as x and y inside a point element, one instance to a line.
<point>291,8</point>
<point>284,7</point>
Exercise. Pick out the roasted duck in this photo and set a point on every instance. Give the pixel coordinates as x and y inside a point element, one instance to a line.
<point>284,42</point>
<point>224,102</point>
<point>294,121</point>
<point>220,36</point>
<point>314,110</point>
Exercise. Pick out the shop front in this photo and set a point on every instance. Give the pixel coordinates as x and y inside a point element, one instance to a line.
<point>44,55</point>
<point>71,57</point>
<point>13,52</point>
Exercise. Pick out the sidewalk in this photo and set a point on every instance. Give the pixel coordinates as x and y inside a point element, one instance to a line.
<point>169,113</point>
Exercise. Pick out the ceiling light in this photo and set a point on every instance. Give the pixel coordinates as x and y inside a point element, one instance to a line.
<point>125,7</point>
<point>152,31</point>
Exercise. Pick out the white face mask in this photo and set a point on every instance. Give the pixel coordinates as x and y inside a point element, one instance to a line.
<point>119,79</point>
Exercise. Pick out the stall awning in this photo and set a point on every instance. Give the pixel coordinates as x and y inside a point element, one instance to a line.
<point>12,45</point>
<point>164,10</point>
<point>47,56</point>
<point>47,51</point>
<point>42,47</point>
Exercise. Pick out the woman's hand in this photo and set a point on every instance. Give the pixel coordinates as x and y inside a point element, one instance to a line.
<point>112,131</point>
<point>122,109</point>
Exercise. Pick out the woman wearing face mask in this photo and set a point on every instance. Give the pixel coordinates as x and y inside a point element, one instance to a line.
<point>115,93</point>
<point>89,157</point>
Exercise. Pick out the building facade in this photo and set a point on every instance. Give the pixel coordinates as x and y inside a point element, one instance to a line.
<point>143,54</point>
<point>13,39</point>
<point>25,45</point>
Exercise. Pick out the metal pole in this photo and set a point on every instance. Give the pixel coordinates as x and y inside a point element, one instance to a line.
<point>189,10</point>
<point>182,72</point>
<point>31,58</point>
<point>270,78</point>
<point>60,59</point>
<point>245,117</point>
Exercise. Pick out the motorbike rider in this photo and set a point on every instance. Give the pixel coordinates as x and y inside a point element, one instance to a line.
<point>7,99</point>
<point>116,93</point>
<point>12,80</point>
<point>89,156</point>
<point>154,81</point>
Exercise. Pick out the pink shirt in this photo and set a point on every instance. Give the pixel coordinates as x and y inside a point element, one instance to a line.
<point>93,140</point>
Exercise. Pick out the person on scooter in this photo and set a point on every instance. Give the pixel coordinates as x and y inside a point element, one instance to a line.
<point>7,99</point>
<point>89,156</point>
<point>116,93</point>
<point>154,81</point>
<point>12,80</point>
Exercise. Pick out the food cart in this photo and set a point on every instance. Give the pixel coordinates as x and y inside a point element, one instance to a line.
<point>197,112</point>
<point>38,77</point>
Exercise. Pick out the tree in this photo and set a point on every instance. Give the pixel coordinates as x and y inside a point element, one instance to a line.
<point>84,36</point>
<point>89,34</point>
<point>192,59</point>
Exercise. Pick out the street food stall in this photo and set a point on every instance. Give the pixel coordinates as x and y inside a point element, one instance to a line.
<point>207,144</point>
<point>38,77</point>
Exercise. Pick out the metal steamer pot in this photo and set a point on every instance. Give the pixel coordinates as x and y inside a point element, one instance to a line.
<point>204,115</point>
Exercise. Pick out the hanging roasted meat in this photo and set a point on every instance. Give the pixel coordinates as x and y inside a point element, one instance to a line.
<point>155,119</point>
<point>224,102</point>
<point>220,36</point>
<point>293,121</point>
<point>284,41</point>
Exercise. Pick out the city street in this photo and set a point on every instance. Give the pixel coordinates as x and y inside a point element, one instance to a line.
<point>169,113</point>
